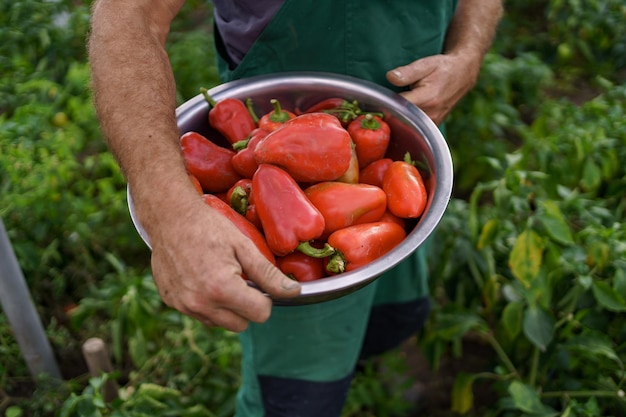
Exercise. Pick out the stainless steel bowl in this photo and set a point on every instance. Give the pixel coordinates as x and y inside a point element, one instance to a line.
<point>412,131</point>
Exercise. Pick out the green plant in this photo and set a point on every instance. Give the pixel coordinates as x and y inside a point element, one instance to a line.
<point>537,267</point>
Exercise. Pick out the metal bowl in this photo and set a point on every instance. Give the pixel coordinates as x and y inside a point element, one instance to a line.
<point>412,131</point>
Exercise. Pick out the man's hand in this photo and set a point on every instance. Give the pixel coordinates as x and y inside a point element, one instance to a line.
<point>436,83</point>
<point>197,262</point>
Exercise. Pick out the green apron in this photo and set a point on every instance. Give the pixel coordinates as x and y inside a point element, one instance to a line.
<point>364,39</point>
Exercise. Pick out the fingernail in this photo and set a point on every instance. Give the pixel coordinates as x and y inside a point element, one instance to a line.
<point>290,284</point>
<point>398,74</point>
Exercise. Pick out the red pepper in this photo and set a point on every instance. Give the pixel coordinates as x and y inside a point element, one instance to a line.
<point>390,217</point>
<point>405,189</point>
<point>301,267</point>
<point>240,199</point>
<point>230,117</point>
<point>247,228</point>
<point>288,218</point>
<point>243,161</point>
<point>351,176</point>
<point>344,205</point>
<point>208,162</point>
<point>370,134</point>
<point>275,118</point>
<point>358,245</point>
<point>312,147</point>
<point>373,173</point>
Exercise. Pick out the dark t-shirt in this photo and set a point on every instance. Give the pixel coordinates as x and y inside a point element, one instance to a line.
<point>240,22</point>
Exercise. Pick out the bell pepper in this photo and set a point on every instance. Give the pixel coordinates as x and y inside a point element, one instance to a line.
<point>230,117</point>
<point>343,204</point>
<point>244,226</point>
<point>405,189</point>
<point>208,162</point>
<point>301,267</point>
<point>373,173</point>
<point>239,197</point>
<point>290,221</point>
<point>275,118</point>
<point>243,161</point>
<point>358,245</point>
<point>312,147</point>
<point>370,134</point>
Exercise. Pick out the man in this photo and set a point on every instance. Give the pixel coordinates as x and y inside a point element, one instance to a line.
<point>297,361</point>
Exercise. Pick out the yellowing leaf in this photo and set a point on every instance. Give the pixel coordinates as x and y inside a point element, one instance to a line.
<point>526,257</point>
<point>462,395</point>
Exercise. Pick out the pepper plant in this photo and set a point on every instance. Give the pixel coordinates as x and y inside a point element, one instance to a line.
<point>535,266</point>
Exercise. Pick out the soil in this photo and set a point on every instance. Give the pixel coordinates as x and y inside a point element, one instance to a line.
<point>432,389</point>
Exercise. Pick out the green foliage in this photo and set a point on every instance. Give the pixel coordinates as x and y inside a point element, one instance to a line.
<point>539,273</point>
<point>580,38</point>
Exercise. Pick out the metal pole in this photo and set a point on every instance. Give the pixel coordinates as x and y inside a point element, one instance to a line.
<point>19,308</point>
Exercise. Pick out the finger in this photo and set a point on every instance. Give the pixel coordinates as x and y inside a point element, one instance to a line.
<point>268,277</point>
<point>410,74</point>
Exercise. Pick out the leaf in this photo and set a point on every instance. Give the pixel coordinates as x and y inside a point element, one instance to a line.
<point>592,176</point>
<point>512,317</point>
<point>453,326</point>
<point>538,327</point>
<point>527,400</point>
<point>594,344</point>
<point>487,234</point>
<point>13,411</point>
<point>462,395</point>
<point>619,282</point>
<point>554,222</point>
<point>607,297</point>
<point>526,257</point>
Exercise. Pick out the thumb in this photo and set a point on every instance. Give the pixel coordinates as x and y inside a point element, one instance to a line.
<point>267,276</point>
<point>410,74</point>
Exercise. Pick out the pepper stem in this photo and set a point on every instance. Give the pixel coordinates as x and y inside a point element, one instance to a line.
<point>369,122</point>
<point>205,93</point>
<point>336,263</point>
<point>241,144</point>
<point>278,115</point>
<point>307,249</point>
<point>408,160</point>
<point>250,107</point>
<point>239,200</point>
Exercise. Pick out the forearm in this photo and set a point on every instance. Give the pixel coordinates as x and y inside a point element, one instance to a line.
<point>473,29</point>
<point>134,90</point>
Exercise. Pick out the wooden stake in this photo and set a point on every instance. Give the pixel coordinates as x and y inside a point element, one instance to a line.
<point>98,362</point>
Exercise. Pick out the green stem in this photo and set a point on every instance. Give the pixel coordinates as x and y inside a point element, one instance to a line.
<point>408,160</point>
<point>278,115</point>
<point>336,263</point>
<point>589,393</point>
<point>250,107</point>
<point>242,144</point>
<point>307,249</point>
<point>501,353</point>
<point>208,98</point>
<point>239,200</point>
<point>368,122</point>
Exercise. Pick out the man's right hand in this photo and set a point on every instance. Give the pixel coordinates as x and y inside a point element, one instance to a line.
<point>198,258</point>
